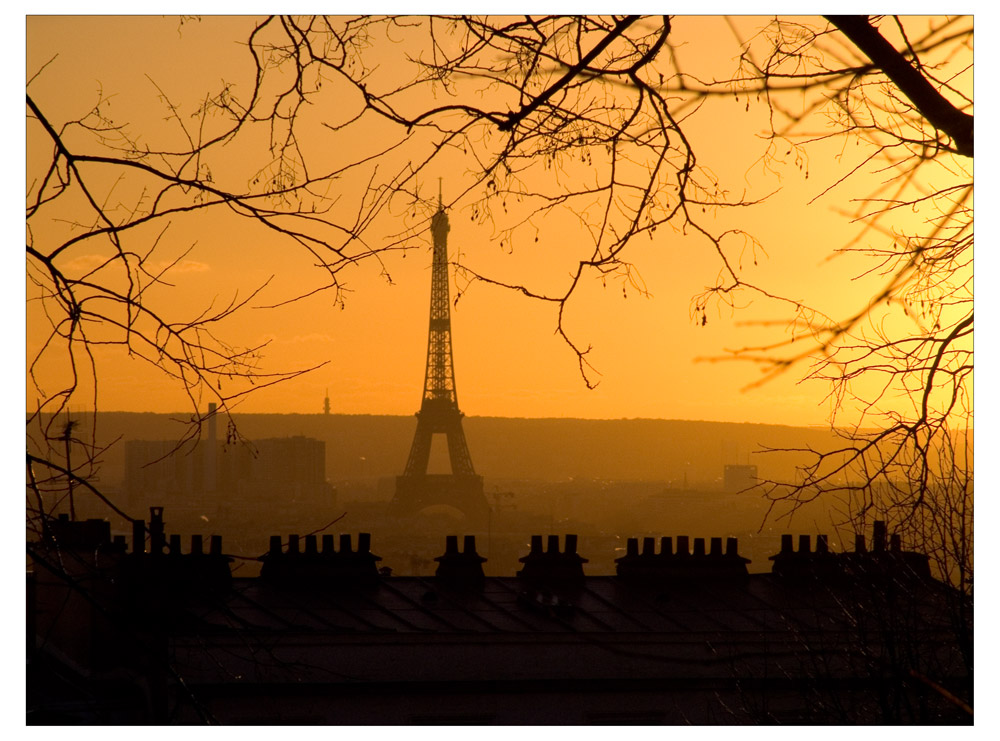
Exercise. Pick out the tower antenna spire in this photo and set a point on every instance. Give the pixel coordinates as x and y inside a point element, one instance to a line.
<point>440,198</point>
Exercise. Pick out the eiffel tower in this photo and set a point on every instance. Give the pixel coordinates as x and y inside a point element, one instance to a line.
<point>462,488</point>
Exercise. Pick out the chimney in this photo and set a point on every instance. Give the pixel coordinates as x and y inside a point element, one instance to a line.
<point>878,536</point>
<point>460,570</point>
<point>682,546</point>
<point>804,544</point>
<point>553,570</point>
<point>304,563</point>
<point>175,544</point>
<point>859,543</point>
<point>156,541</point>
<point>198,549</point>
<point>215,545</point>
<point>895,543</point>
<point>570,541</point>
<point>786,542</point>
<point>138,536</point>
<point>821,544</point>
<point>686,566</point>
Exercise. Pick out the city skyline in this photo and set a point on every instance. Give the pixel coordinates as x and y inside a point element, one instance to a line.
<point>705,284</point>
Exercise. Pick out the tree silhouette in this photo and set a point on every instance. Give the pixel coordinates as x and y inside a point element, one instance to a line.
<point>614,94</point>
<point>587,115</point>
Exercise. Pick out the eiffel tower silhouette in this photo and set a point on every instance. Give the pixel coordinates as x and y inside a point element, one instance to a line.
<point>439,414</point>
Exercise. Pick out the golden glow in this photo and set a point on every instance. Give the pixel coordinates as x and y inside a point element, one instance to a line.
<point>649,350</point>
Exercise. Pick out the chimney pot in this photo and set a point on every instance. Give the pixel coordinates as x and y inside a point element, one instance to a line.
<point>786,543</point>
<point>553,546</point>
<point>536,544</point>
<point>310,545</point>
<point>198,548</point>
<point>716,549</point>
<point>699,547</point>
<point>328,543</point>
<point>895,543</point>
<point>345,543</point>
<point>878,535</point>
<point>570,542</point>
<point>732,547</point>
<point>632,547</point>
<point>215,545</point>
<point>666,546</point>
<point>822,546</point>
<point>138,536</point>
<point>450,545</point>
<point>275,547</point>
<point>648,544</point>
<point>175,544</point>
<point>469,545</point>
<point>859,543</point>
<point>156,540</point>
<point>804,546</point>
<point>293,543</point>
<point>364,542</point>
<point>682,546</point>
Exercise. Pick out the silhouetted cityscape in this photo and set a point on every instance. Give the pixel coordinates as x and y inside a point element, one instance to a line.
<point>707,283</point>
<point>315,628</point>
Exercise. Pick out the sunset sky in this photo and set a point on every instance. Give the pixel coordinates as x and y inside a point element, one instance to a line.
<point>655,360</point>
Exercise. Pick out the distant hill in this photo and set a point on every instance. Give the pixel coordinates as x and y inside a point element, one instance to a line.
<point>373,446</point>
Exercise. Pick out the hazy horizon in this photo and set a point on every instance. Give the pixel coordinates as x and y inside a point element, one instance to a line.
<point>237,412</point>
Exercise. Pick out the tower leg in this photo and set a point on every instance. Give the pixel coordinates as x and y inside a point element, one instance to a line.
<point>420,450</point>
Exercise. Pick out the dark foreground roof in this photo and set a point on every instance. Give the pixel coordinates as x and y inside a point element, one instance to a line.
<point>322,637</point>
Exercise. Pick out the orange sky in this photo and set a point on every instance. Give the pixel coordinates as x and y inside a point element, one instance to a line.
<point>508,361</point>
